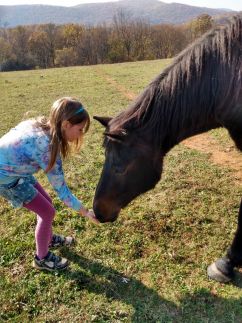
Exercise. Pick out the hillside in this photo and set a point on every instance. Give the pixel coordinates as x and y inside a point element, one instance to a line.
<point>153,11</point>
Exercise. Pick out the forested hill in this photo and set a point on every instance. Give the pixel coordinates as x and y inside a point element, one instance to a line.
<point>153,11</point>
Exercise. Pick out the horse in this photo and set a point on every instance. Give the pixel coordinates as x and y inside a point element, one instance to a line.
<point>201,90</point>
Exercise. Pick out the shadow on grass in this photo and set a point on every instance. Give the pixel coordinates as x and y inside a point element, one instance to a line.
<point>96,278</point>
<point>147,304</point>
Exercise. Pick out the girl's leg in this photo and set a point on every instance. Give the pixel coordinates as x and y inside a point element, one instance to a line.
<point>46,195</point>
<point>45,215</point>
<point>43,192</point>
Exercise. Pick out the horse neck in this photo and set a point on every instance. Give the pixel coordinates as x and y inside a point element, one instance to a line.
<point>199,92</point>
<point>183,114</point>
<point>186,129</point>
<point>195,94</point>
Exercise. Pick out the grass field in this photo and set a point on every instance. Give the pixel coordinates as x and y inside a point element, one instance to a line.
<point>148,266</point>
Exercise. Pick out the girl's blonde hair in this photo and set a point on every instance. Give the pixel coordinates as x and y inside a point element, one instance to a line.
<point>64,109</point>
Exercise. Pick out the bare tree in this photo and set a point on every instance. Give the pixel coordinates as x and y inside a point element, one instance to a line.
<point>122,27</point>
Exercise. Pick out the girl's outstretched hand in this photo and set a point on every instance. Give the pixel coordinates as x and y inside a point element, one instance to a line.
<point>89,214</point>
<point>92,217</point>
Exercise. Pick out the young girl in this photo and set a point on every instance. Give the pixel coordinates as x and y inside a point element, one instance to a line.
<point>42,144</point>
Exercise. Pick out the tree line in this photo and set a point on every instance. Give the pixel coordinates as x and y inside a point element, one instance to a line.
<point>126,39</point>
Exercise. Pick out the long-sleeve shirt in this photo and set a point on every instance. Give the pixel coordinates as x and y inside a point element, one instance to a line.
<point>24,150</point>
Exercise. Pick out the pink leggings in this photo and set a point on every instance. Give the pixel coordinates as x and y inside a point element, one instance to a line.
<point>43,207</point>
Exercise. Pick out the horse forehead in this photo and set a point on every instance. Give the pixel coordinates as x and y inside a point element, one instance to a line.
<point>117,129</point>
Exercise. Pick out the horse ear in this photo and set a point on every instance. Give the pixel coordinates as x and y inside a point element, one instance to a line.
<point>103,120</point>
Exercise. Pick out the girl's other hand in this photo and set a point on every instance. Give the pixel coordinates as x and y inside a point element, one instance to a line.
<point>89,214</point>
<point>92,217</point>
<point>83,211</point>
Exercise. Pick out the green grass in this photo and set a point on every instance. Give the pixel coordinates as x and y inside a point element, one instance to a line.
<point>148,266</point>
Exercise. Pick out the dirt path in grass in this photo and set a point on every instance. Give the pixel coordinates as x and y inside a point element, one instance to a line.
<point>224,156</point>
<point>229,156</point>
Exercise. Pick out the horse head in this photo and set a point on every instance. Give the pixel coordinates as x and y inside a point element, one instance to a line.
<point>131,168</point>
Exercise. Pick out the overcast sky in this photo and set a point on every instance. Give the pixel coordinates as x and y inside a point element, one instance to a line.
<point>230,4</point>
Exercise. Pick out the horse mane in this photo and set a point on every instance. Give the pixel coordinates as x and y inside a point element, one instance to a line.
<point>204,74</point>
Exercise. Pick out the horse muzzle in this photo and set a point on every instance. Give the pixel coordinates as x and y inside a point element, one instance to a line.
<point>105,212</point>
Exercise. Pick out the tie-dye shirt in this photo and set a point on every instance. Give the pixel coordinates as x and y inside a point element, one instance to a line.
<point>24,150</point>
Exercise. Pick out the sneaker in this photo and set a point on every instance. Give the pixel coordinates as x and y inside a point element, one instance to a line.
<point>50,262</point>
<point>60,241</point>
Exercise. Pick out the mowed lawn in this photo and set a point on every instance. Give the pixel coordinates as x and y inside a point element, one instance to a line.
<point>148,266</point>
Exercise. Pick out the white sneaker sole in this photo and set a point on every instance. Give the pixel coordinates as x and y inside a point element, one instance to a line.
<point>36,266</point>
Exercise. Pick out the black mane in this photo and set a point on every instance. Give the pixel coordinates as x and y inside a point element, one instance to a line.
<point>202,80</point>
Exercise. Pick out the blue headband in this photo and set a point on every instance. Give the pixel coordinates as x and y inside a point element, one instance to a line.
<point>81,109</point>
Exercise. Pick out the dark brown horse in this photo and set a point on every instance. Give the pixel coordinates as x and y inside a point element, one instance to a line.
<point>201,90</point>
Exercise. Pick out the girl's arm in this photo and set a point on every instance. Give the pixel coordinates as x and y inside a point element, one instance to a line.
<point>40,154</point>
<point>57,180</point>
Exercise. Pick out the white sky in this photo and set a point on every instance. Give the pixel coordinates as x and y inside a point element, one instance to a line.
<point>230,4</point>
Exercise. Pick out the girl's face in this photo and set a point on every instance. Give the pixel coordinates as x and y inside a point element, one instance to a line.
<point>73,132</point>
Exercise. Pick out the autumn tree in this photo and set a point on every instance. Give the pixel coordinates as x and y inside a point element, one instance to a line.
<point>200,25</point>
<point>18,52</point>
<point>51,32</point>
<point>167,40</point>
<point>141,40</point>
<point>5,52</point>
<point>38,47</point>
<point>72,38</point>
<point>42,45</point>
<point>19,40</point>
<point>100,42</point>
<point>66,57</point>
<point>122,36</point>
